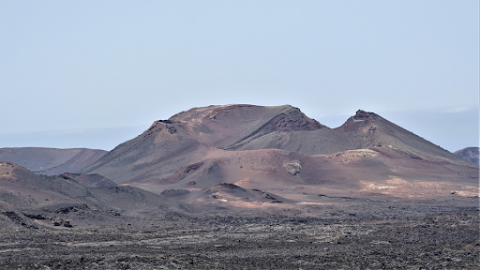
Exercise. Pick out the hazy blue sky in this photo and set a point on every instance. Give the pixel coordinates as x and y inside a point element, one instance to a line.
<point>96,73</point>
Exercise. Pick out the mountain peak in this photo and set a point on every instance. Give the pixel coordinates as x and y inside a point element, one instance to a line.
<point>236,110</point>
<point>228,126</point>
<point>359,121</point>
<point>364,115</point>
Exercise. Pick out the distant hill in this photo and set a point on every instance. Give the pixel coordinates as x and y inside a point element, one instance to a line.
<point>234,159</point>
<point>51,161</point>
<point>280,148</point>
<point>44,199</point>
<point>470,154</point>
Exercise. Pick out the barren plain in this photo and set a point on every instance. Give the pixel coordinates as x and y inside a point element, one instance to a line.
<point>353,234</point>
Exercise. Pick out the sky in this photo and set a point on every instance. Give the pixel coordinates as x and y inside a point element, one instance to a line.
<point>97,73</point>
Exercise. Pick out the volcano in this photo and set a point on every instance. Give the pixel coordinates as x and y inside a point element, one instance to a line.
<point>280,148</point>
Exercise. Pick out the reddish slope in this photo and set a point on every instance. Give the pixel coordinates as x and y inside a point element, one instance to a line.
<point>379,132</point>
<point>188,136</point>
<point>277,169</point>
<point>203,147</point>
<point>231,126</point>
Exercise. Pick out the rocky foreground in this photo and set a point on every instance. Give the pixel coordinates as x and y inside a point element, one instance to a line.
<point>386,235</point>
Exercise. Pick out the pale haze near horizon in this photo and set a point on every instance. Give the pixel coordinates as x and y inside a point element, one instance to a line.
<point>96,73</point>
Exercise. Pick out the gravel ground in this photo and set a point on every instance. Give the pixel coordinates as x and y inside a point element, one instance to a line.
<point>447,238</point>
